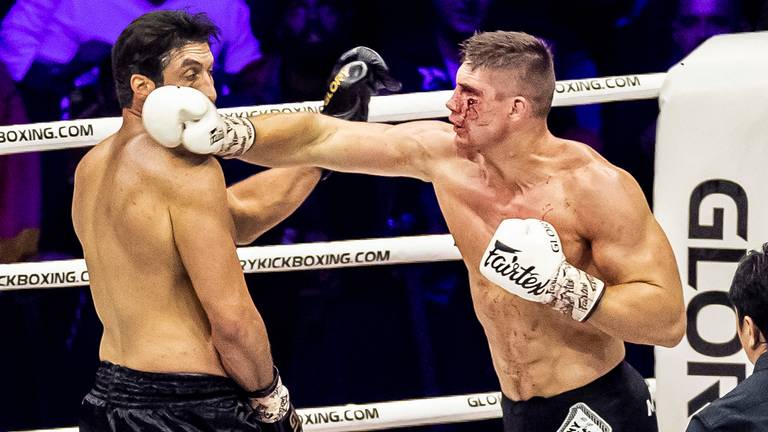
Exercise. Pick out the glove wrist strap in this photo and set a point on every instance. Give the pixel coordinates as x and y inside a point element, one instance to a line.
<point>237,134</point>
<point>271,403</point>
<point>575,292</point>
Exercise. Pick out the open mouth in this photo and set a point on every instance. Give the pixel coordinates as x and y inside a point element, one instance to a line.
<point>459,130</point>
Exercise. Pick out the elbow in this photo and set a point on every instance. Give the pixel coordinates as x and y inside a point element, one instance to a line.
<point>247,221</point>
<point>247,231</point>
<point>227,331</point>
<point>672,333</point>
<point>230,328</point>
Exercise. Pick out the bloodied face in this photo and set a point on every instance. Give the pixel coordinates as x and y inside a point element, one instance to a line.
<point>481,106</point>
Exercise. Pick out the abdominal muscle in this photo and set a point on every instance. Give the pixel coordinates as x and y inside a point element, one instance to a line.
<point>537,351</point>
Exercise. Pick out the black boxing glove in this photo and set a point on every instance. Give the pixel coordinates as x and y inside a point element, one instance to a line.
<point>358,74</point>
<point>272,407</point>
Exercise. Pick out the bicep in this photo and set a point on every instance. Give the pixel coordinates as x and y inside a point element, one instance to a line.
<point>265,199</point>
<point>203,232</point>
<point>628,244</point>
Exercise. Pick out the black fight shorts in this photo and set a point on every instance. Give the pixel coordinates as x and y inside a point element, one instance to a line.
<point>124,399</point>
<point>618,401</point>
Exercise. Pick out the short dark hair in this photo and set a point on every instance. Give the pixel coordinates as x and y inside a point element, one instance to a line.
<point>749,288</point>
<point>144,46</point>
<point>529,57</point>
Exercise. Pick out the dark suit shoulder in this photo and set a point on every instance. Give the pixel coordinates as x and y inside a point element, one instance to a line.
<point>743,408</point>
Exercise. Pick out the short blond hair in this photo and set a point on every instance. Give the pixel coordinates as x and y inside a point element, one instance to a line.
<point>527,56</point>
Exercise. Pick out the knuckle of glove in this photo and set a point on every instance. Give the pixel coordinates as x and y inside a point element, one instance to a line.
<point>523,257</point>
<point>359,74</point>
<point>160,117</point>
<point>378,76</point>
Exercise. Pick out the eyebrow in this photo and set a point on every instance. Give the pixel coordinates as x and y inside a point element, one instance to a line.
<point>191,62</point>
<point>188,62</point>
<point>470,89</point>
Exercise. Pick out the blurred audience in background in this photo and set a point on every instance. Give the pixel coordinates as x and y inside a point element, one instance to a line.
<point>19,185</point>
<point>59,54</point>
<point>303,46</point>
<point>699,20</point>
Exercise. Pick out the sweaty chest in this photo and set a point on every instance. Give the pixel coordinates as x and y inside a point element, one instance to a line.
<point>473,211</point>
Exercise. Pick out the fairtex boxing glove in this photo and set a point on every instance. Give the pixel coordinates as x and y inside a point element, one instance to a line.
<point>525,257</point>
<point>184,116</point>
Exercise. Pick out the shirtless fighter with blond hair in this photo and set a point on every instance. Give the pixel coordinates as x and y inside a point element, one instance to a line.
<point>565,259</point>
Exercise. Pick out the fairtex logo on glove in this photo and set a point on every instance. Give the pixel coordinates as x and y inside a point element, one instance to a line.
<point>526,277</point>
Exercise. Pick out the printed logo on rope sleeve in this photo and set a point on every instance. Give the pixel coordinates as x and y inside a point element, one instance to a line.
<point>315,261</point>
<point>482,401</point>
<point>576,86</point>
<point>43,279</point>
<point>270,110</point>
<point>526,277</point>
<point>339,416</point>
<point>26,134</point>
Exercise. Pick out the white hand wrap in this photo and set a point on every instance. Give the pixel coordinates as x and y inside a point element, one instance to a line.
<point>274,404</point>
<point>525,258</point>
<point>238,136</point>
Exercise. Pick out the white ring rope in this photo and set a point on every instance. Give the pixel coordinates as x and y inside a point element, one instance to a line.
<point>401,107</point>
<point>387,415</point>
<point>260,259</point>
<point>398,414</point>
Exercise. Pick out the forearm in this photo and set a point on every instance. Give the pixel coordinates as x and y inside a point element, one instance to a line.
<point>261,201</point>
<point>641,313</point>
<point>285,139</point>
<point>304,139</point>
<point>245,353</point>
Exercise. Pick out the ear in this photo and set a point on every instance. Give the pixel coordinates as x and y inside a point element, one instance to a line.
<point>519,108</point>
<point>751,332</point>
<point>141,86</point>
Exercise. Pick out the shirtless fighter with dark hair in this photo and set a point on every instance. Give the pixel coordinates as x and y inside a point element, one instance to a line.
<point>184,347</point>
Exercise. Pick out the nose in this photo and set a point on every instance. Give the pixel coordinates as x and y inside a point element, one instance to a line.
<point>453,102</point>
<point>208,88</point>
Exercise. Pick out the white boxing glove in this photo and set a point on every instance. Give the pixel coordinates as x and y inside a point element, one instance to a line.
<point>184,116</point>
<point>525,258</point>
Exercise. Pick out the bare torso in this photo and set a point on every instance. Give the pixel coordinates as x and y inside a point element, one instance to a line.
<point>152,319</point>
<point>536,351</point>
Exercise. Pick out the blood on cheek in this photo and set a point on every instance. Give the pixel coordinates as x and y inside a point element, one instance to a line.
<point>470,109</point>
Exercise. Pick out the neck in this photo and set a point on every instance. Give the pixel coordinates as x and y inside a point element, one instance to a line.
<point>761,349</point>
<point>132,124</point>
<point>523,159</point>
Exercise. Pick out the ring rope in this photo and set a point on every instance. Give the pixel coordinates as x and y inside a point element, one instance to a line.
<point>398,414</point>
<point>401,107</point>
<point>260,259</point>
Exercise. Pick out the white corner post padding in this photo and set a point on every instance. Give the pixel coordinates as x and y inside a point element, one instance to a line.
<point>710,198</point>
